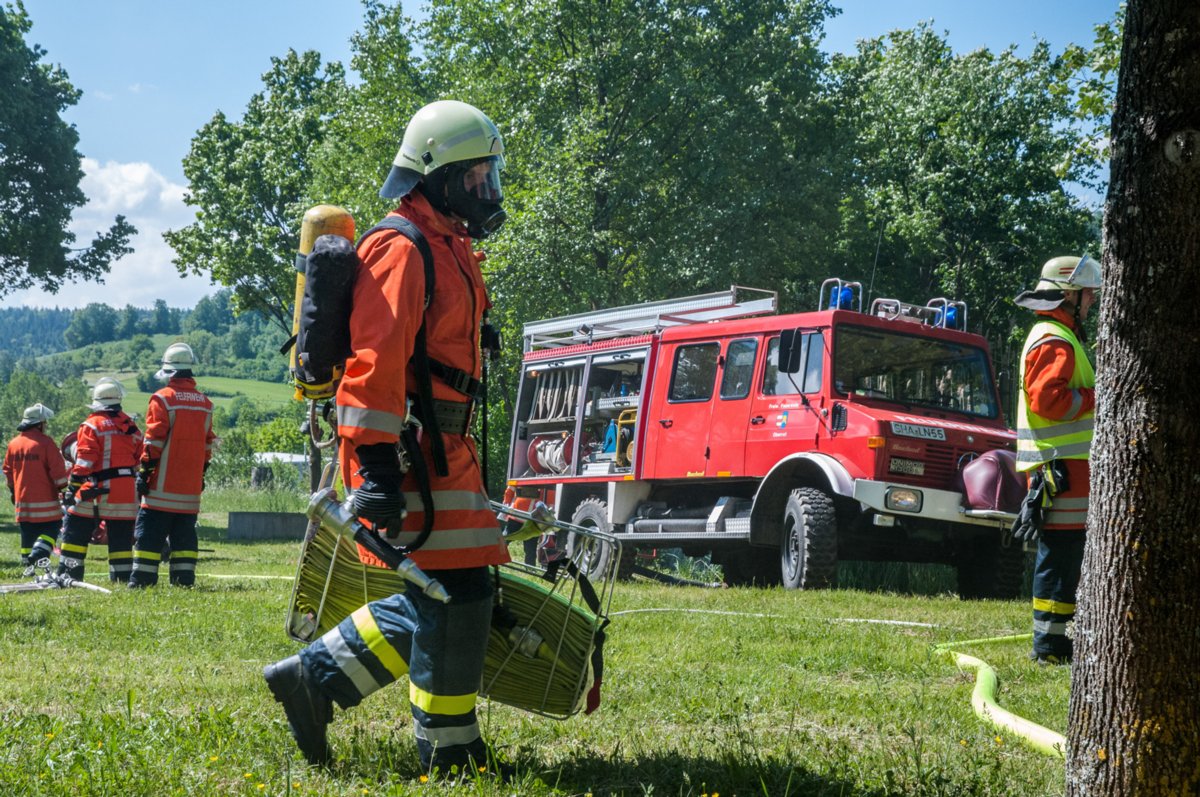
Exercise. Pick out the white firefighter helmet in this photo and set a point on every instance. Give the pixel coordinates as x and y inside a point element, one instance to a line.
<point>1068,273</point>
<point>177,357</point>
<point>442,132</point>
<point>38,413</point>
<point>1060,275</point>
<point>108,392</point>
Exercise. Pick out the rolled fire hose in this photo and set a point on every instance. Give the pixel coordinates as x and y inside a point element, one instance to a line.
<point>983,699</point>
<point>542,665</point>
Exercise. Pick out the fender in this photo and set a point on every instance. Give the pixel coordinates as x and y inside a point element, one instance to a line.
<point>807,469</point>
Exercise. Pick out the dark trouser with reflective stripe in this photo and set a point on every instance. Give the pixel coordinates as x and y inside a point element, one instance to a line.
<point>77,535</point>
<point>37,539</point>
<point>154,527</point>
<point>1055,580</point>
<point>440,646</point>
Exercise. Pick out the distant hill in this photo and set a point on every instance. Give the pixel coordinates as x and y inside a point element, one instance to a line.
<point>33,331</point>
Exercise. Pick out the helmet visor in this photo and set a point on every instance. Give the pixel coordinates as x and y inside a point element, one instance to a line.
<point>482,180</point>
<point>1086,274</point>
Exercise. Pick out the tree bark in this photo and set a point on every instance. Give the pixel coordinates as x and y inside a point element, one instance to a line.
<point>1135,704</point>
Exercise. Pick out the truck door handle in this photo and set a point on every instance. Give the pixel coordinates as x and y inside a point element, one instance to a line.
<point>667,423</point>
<point>757,419</point>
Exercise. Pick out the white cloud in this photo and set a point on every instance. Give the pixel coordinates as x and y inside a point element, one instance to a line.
<point>152,204</point>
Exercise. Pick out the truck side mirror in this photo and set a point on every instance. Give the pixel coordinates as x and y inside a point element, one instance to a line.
<point>791,350</point>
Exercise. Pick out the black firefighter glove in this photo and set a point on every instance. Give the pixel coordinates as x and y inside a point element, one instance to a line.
<point>1028,525</point>
<point>378,499</point>
<point>144,475</point>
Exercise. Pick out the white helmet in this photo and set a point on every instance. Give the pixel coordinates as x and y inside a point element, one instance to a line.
<point>38,413</point>
<point>177,357</point>
<point>1068,273</point>
<point>107,393</point>
<point>1060,275</point>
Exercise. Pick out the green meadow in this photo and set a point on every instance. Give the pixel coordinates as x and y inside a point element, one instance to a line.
<point>706,692</point>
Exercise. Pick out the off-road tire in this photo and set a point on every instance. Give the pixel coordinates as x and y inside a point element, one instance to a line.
<point>992,571</point>
<point>592,513</point>
<point>808,547</point>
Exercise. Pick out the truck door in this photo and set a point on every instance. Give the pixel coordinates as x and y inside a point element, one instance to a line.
<point>684,404</point>
<point>780,422</point>
<point>730,420</point>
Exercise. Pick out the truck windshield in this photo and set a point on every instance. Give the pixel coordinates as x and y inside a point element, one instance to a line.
<point>913,370</point>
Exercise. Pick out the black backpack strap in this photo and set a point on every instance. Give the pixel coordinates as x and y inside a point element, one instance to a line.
<point>420,355</point>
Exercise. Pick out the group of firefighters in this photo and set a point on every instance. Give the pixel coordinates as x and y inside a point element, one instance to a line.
<point>446,178</point>
<point>144,489</point>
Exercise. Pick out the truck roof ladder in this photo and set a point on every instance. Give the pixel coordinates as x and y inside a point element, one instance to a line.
<point>641,319</point>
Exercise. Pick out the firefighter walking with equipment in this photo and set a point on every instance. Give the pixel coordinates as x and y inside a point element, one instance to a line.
<point>1054,437</point>
<point>176,452</point>
<point>101,484</point>
<point>36,474</point>
<point>417,303</point>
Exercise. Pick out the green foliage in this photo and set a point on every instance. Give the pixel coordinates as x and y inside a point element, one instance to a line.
<point>281,433</point>
<point>24,389</point>
<point>31,331</point>
<point>248,180</point>
<point>232,459</point>
<point>961,163</point>
<point>40,172</point>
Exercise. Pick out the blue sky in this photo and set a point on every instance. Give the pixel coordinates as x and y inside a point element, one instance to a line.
<point>152,72</point>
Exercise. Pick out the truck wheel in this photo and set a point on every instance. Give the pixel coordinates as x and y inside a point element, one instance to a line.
<point>992,571</point>
<point>808,550</point>
<point>589,557</point>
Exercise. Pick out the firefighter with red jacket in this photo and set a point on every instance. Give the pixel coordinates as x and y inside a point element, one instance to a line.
<point>1054,437</point>
<point>101,484</point>
<point>36,474</point>
<point>177,449</point>
<point>447,178</point>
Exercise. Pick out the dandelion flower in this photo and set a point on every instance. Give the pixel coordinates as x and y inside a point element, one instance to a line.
<point>424,778</point>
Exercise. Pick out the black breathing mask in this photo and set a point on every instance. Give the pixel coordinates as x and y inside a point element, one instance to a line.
<point>471,191</point>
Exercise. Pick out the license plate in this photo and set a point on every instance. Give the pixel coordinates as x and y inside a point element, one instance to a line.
<point>921,432</point>
<point>909,467</point>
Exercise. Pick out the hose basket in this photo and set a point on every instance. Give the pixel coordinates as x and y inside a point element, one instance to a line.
<point>545,664</point>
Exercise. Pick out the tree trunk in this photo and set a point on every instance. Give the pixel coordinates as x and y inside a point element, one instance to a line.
<point>1135,704</point>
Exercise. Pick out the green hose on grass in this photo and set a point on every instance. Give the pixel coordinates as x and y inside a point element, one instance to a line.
<point>983,699</point>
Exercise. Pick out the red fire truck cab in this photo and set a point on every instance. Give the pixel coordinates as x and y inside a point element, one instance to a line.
<point>674,424</point>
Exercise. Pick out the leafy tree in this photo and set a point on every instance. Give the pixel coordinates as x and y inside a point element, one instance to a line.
<point>40,172</point>
<point>211,314</point>
<point>96,323</point>
<point>25,388</point>
<point>129,322</point>
<point>248,181</point>
<point>961,166</point>
<point>164,320</point>
<point>1134,703</point>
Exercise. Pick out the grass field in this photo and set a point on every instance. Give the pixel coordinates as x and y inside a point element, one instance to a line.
<point>220,389</point>
<point>715,692</point>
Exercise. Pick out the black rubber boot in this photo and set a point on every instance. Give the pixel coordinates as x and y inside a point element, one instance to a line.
<point>308,711</point>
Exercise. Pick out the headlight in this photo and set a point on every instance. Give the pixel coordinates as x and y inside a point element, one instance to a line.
<point>903,499</point>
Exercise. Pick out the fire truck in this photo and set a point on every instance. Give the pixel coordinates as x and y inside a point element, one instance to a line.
<point>779,443</point>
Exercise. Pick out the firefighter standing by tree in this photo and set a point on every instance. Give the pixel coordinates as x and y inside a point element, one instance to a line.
<point>36,474</point>
<point>447,177</point>
<point>101,484</point>
<point>1054,437</point>
<point>176,453</point>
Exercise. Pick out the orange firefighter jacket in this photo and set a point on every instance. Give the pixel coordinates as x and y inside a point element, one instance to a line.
<point>178,446</point>
<point>388,308</point>
<point>107,441</point>
<point>1049,366</point>
<point>36,473</point>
